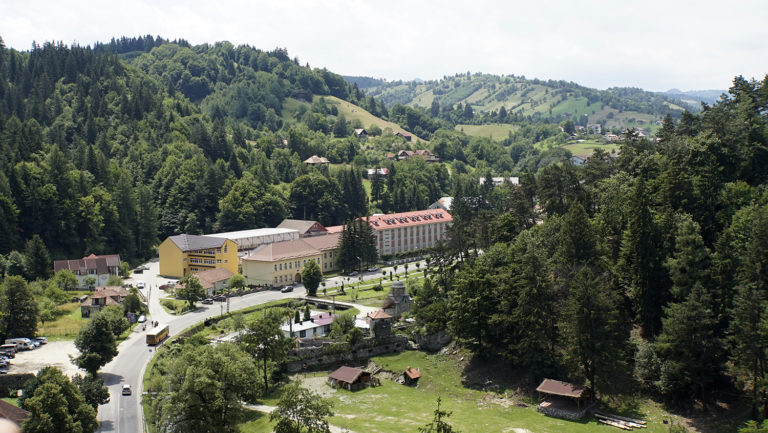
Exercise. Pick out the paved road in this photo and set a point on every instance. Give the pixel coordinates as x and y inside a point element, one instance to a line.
<point>123,413</point>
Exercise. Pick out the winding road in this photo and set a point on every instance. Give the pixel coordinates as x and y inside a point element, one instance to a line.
<point>123,413</point>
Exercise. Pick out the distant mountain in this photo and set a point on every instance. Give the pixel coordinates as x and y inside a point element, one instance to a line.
<point>695,97</point>
<point>529,99</point>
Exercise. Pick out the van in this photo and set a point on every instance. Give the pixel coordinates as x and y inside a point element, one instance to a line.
<point>21,343</point>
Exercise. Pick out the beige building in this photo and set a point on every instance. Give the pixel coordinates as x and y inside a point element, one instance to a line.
<point>410,231</point>
<point>283,262</point>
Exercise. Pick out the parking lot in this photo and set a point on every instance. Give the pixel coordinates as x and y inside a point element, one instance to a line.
<point>55,353</point>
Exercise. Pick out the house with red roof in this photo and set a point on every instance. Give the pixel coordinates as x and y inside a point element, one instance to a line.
<point>102,297</point>
<point>99,267</point>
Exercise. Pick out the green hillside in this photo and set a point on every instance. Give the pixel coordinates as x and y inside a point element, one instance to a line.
<point>525,99</point>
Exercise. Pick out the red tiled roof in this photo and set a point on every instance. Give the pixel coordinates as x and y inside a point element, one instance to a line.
<point>564,389</point>
<point>346,374</point>
<point>379,314</point>
<point>210,277</point>
<point>413,373</point>
<point>406,219</point>
<point>100,263</point>
<point>323,319</point>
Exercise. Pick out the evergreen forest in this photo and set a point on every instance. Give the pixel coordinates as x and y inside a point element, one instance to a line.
<point>645,267</point>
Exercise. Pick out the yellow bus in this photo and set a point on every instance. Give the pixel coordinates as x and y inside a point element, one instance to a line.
<point>157,334</point>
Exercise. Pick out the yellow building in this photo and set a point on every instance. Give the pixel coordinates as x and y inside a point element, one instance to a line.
<point>182,254</point>
<point>282,262</point>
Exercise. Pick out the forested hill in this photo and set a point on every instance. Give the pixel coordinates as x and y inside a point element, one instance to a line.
<point>521,99</point>
<point>109,149</point>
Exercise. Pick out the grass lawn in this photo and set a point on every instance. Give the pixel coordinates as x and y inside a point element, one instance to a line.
<point>496,131</point>
<point>174,306</point>
<point>588,146</point>
<point>67,325</point>
<point>12,400</point>
<point>394,408</point>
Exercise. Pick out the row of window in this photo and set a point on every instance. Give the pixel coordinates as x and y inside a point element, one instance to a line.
<point>290,265</point>
<point>205,261</point>
<point>210,251</point>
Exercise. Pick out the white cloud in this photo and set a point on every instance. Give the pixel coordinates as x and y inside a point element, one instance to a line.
<point>654,44</point>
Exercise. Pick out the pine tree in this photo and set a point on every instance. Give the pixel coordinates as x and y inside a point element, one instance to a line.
<point>37,261</point>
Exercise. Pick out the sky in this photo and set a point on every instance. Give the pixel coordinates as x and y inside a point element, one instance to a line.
<point>652,44</point>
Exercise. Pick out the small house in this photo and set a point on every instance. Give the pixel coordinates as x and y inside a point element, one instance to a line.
<point>409,377</point>
<point>214,280</point>
<point>318,325</point>
<point>102,297</point>
<point>361,133</point>
<point>316,160</point>
<point>98,267</point>
<point>380,323</point>
<point>404,135</point>
<point>349,378</point>
<point>563,400</point>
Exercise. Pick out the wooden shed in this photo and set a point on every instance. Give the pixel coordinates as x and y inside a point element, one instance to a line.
<point>410,376</point>
<point>349,378</point>
<point>563,399</point>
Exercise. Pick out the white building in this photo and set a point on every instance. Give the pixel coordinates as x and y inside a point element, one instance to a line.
<point>409,231</point>
<point>498,181</point>
<point>249,239</point>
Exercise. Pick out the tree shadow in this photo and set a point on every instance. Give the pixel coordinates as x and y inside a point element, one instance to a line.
<point>111,378</point>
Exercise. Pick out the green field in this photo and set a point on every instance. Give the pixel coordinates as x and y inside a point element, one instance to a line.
<point>588,146</point>
<point>67,325</point>
<point>495,131</point>
<point>394,408</point>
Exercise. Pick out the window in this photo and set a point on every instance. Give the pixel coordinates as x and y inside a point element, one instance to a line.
<point>185,259</point>
<point>275,279</point>
<point>218,262</point>
<point>226,261</point>
<point>302,333</point>
<point>218,250</point>
<point>225,248</point>
<point>275,267</point>
<point>281,266</point>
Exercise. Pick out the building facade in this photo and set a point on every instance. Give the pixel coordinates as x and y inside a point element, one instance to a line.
<point>410,231</point>
<point>282,263</point>
<point>99,267</point>
<point>182,254</point>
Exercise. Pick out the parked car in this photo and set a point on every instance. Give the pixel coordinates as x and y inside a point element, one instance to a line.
<point>373,269</point>
<point>142,319</point>
<point>286,289</point>
<point>167,286</point>
<point>140,284</point>
<point>138,270</point>
<point>220,298</point>
<point>207,301</point>
<point>352,274</point>
<point>42,340</point>
<point>126,389</point>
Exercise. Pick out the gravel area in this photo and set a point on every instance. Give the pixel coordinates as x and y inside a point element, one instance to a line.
<point>55,353</point>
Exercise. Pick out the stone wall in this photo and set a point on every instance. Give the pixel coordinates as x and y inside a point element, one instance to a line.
<point>318,357</point>
<point>10,383</point>
<point>432,342</point>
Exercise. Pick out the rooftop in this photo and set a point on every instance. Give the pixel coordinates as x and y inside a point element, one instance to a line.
<point>314,159</point>
<point>187,242</point>
<point>379,314</point>
<point>210,277</point>
<point>100,263</point>
<point>253,233</point>
<point>406,219</point>
<point>296,248</point>
<point>302,226</point>
<point>413,373</point>
<point>346,374</point>
<point>564,389</point>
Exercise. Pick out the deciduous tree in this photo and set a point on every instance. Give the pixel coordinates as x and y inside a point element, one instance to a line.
<point>300,410</point>
<point>311,277</point>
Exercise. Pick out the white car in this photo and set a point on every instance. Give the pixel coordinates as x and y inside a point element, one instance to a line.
<point>126,389</point>
<point>140,284</point>
<point>142,318</point>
